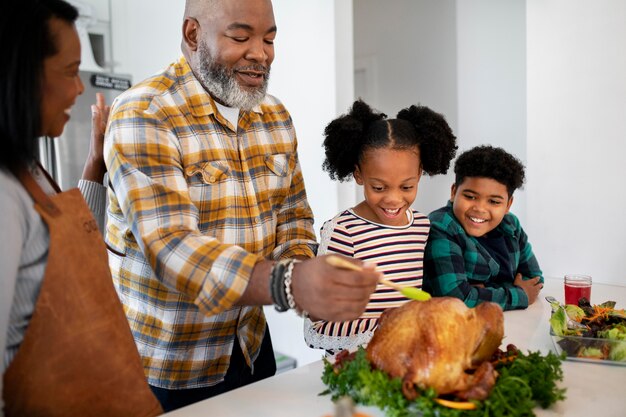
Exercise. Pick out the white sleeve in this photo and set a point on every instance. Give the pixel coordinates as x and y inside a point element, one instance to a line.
<point>12,224</point>
<point>325,235</point>
<point>343,240</point>
<point>95,195</point>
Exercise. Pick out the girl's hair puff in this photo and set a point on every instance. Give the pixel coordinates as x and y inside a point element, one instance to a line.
<point>346,137</point>
<point>436,142</point>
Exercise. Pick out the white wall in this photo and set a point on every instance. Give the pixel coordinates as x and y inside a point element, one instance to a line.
<point>411,47</point>
<point>576,127</point>
<point>146,35</point>
<point>464,59</point>
<point>491,73</point>
<point>543,79</point>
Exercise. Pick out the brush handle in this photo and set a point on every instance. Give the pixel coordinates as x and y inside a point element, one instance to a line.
<point>393,285</point>
<point>413,293</point>
<point>339,262</point>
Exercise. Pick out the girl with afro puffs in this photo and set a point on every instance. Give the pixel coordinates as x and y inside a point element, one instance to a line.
<point>477,250</point>
<point>387,157</point>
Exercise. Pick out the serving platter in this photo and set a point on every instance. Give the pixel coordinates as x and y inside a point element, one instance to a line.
<point>573,327</point>
<point>560,341</point>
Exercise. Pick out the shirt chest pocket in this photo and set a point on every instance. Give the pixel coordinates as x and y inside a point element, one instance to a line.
<point>210,189</point>
<point>278,175</point>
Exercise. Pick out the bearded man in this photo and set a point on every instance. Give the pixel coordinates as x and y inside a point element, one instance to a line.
<point>208,211</point>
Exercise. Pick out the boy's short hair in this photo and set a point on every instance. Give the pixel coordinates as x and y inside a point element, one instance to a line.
<point>490,162</point>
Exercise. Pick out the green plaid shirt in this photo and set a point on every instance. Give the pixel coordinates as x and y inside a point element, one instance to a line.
<point>454,261</point>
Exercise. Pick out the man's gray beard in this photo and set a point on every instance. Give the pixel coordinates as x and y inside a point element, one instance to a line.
<point>222,85</point>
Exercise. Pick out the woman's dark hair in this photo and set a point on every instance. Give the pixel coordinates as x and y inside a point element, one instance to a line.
<point>26,41</point>
<point>490,162</point>
<point>362,129</point>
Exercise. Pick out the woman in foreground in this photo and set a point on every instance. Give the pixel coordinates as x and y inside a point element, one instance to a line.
<point>67,347</point>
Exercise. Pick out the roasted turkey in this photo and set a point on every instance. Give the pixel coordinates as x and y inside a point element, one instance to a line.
<point>439,343</point>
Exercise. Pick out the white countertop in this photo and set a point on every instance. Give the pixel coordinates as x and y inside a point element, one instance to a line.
<point>592,389</point>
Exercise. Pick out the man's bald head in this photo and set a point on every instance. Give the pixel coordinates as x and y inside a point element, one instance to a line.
<point>199,8</point>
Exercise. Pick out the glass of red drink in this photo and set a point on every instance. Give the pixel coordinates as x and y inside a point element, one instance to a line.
<point>576,287</point>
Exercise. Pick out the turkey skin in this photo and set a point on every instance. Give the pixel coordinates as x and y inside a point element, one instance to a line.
<point>441,344</point>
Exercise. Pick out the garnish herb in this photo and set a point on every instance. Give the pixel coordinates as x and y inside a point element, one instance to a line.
<point>529,380</point>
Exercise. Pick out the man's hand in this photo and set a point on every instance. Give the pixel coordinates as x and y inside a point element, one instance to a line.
<point>531,287</point>
<point>331,293</point>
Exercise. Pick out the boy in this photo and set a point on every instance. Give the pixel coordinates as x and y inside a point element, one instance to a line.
<point>477,251</point>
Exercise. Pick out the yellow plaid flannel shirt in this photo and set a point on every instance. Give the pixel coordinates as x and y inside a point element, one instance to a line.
<point>195,204</point>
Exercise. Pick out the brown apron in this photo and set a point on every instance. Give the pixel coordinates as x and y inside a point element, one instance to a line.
<point>78,356</point>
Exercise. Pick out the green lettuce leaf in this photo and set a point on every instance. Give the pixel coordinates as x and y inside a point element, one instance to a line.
<point>618,352</point>
<point>558,322</point>
<point>617,332</point>
<point>574,312</point>
<point>591,352</point>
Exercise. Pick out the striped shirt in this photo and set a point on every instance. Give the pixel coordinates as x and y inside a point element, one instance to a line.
<point>398,252</point>
<point>197,202</point>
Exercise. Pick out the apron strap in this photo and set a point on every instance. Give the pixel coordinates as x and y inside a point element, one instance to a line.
<point>43,200</point>
<point>37,193</point>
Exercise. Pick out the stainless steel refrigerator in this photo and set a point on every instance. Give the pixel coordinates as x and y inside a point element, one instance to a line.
<point>64,157</point>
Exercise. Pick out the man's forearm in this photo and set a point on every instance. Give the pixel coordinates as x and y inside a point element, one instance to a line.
<point>258,290</point>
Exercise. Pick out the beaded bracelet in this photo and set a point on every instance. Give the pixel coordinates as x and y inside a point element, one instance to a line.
<point>277,286</point>
<point>288,281</point>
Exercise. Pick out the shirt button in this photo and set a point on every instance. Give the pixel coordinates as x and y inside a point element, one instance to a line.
<point>212,179</point>
<point>257,220</point>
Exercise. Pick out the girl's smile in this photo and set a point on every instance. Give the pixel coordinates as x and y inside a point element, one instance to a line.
<point>390,178</point>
